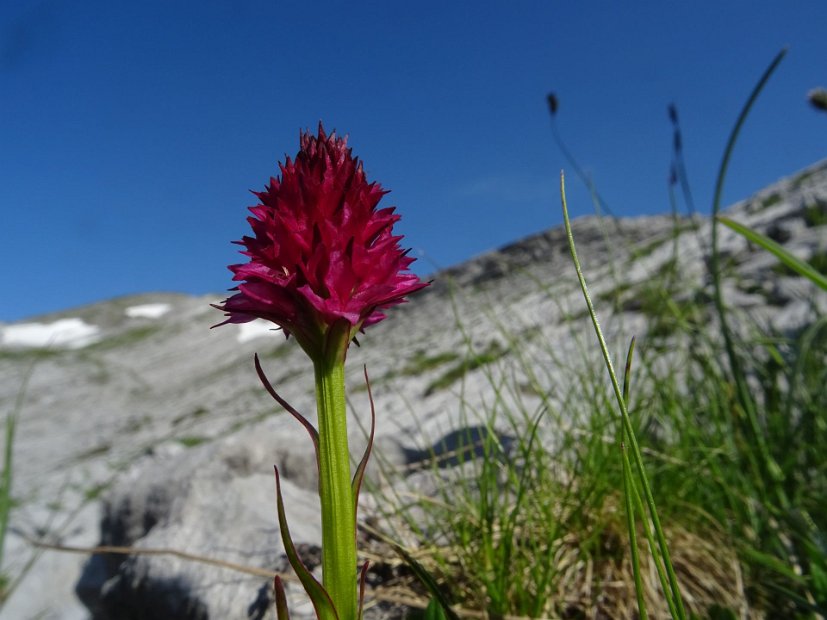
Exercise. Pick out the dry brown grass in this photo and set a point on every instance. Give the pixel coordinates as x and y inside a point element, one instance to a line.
<point>586,584</point>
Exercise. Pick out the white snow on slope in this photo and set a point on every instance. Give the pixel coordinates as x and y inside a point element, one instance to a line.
<point>255,329</point>
<point>147,311</point>
<point>71,333</point>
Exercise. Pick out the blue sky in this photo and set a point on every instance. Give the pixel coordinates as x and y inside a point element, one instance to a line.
<point>132,132</point>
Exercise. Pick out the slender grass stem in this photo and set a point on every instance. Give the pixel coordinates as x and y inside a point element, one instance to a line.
<point>743,394</point>
<point>7,476</point>
<point>627,423</point>
<point>633,502</point>
<point>629,493</point>
<point>587,181</point>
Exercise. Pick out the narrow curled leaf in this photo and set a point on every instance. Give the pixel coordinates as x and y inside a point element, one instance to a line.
<point>318,595</point>
<point>363,575</point>
<point>314,434</point>
<point>359,474</point>
<point>282,613</point>
<point>627,373</point>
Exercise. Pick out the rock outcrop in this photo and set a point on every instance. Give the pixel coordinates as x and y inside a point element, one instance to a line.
<point>142,427</point>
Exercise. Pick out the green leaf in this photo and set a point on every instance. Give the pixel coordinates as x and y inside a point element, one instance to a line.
<point>799,266</point>
<point>434,611</point>
<point>673,595</point>
<point>630,492</point>
<point>318,595</point>
<point>363,577</point>
<point>773,563</point>
<point>430,583</point>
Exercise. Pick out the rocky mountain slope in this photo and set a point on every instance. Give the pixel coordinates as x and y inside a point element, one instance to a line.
<point>141,426</point>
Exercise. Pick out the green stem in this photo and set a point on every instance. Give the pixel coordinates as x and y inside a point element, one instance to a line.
<point>630,494</point>
<point>673,598</point>
<point>335,490</point>
<point>769,465</point>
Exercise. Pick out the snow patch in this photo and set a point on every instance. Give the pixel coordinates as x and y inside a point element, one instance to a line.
<point>70,333</point>
<point>255,329</point>
<point>147,311</point>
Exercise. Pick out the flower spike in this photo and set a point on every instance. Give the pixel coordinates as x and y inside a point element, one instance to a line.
<point>323,265</point>
<point>322,252</point>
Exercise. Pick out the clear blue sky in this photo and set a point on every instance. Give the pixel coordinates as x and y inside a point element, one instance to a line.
<point>131,132</point>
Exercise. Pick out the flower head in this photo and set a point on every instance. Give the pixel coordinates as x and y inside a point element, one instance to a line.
<point>322,254</point>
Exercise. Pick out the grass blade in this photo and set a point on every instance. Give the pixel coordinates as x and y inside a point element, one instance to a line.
<point>743,393</point>
<point>675,597</point>
<point>629,493</point>
<point>801,267</point>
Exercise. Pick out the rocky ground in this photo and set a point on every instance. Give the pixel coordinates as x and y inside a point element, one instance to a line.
<point>141,426</point>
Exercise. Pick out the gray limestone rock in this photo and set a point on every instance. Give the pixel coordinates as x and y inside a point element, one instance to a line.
<point>144,427</point>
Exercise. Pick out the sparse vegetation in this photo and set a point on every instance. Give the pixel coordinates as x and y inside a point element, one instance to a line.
<point>422,363</point>
<point>815,213</point>
<point>196,413</point>
<point>124,339</point>
<point>29,354</point>
<point>737,544</point>
<point>96,451</point>
<point>419,364</point>
<point>802,178</point>
<point>733,426</point>
<point>136,424</point>
<point>94,492</point>
<point>192,441</point>
<point>473,362</point>
<point>536,513</point>
<point>817,261</point>
<point>771,201</point>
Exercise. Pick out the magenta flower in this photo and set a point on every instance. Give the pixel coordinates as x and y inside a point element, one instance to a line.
<point>322,254</point>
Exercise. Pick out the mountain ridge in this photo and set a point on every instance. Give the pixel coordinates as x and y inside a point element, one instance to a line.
<point>154,418</point>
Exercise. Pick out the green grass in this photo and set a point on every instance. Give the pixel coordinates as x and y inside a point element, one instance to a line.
<point>94,492</point>
<point>770,201</point>
<point>562,501</point>
<point>195,414</point>
<point>7,502</point>
<point>422,363</point>
<point>191,441</point>
<point>815,213</point>
<point>474,361</point>
<point>536,519</point>
<point>99,450</point>
<point>29,355</point>
<point>802,178</point>
<point>124,339</point>
<point>419,364</point>
<point>818,261</point>
<point>732,422</point>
